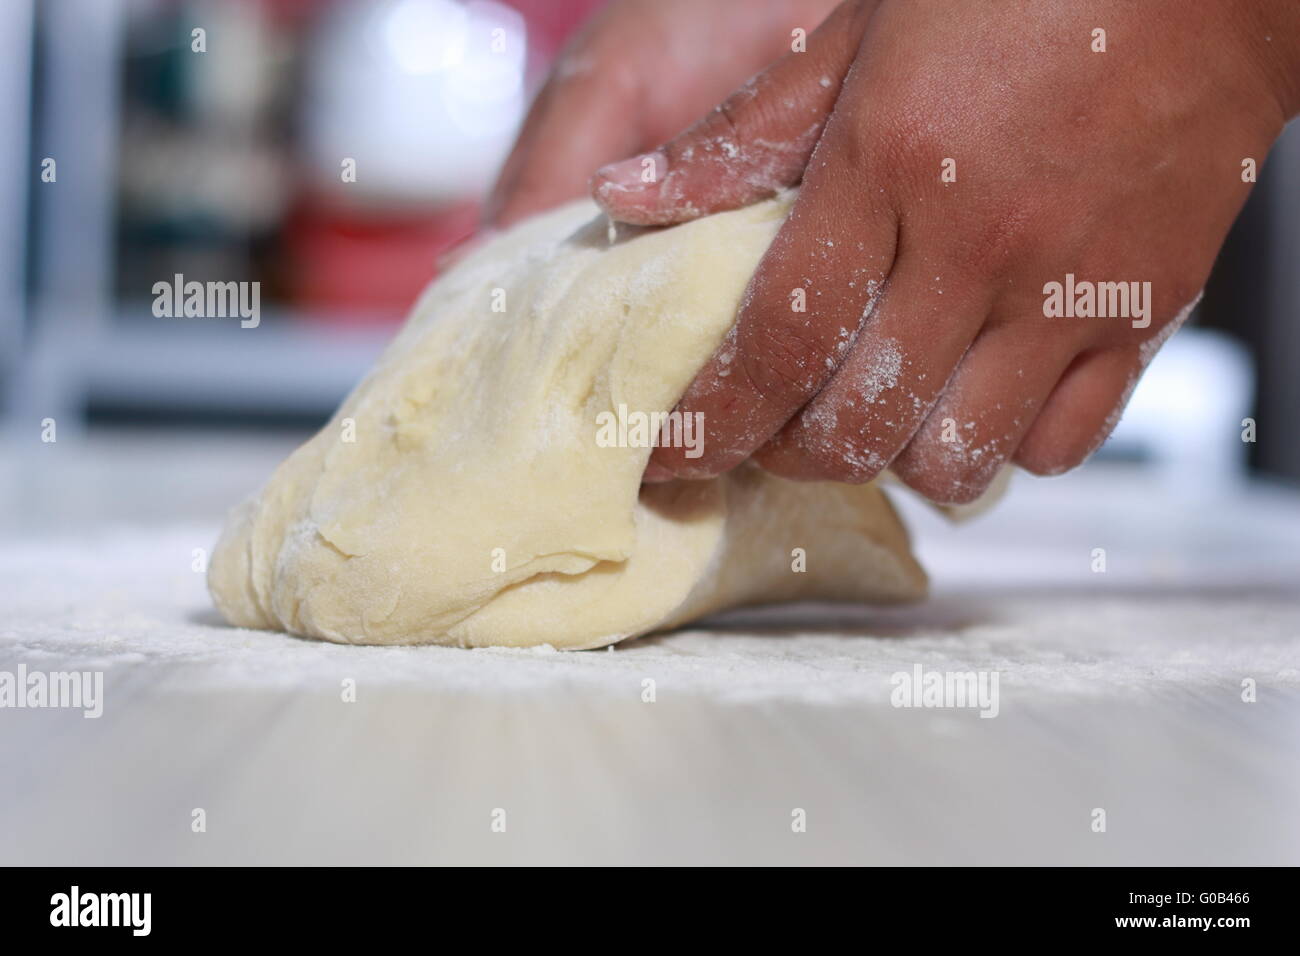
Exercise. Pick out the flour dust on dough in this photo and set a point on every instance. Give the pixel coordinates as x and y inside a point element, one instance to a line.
<point>474,505</point>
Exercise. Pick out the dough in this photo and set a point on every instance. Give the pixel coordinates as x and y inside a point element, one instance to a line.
<point>460,495</point>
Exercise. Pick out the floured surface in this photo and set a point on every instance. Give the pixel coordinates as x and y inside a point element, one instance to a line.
<point>132,608</point>
<point>125,599</point>
<point>1119,690</point>
<point>1193,592</point>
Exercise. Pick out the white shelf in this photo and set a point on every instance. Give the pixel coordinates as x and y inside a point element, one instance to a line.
<point>285,365</point>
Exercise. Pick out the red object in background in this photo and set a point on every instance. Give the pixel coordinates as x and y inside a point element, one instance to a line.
<point>356,268</point>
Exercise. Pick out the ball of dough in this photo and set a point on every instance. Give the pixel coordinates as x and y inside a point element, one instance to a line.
<point>461,494</point>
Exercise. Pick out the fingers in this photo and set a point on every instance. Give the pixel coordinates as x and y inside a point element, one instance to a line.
<point>1086,405</point>
<point>801,314</point>
<point>991,402</point>
<point>579,120</point>
<point>756,142</point>
<point>1082,410</point>
<point>870,409</point>
<point>803,310</point>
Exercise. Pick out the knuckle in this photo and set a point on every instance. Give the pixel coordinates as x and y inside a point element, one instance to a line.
<point>950,472</point>
<point>727,117</point>
<point>718,138</point>
<point>785,362</point>
<point>843,451</point>
<point>826,441</point>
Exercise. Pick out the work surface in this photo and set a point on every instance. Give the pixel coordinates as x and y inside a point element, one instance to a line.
<point>1119,691</point>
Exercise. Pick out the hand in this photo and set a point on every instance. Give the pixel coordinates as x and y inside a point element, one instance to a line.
<point>924,344</point>
<point>637,73</point>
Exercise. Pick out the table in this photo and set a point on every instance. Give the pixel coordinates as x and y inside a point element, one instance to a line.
<point>1119,691</point>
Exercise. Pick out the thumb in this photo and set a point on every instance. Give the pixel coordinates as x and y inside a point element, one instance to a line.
<point>754,143</point>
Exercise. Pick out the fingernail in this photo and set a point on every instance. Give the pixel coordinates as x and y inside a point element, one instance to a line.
<point>635,174</point>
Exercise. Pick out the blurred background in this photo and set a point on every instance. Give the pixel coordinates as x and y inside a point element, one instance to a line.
<point>217,155</point>
<point>1122,687</point>
<point>225,164</point>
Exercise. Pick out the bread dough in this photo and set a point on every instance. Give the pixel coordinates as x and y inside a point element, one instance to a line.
<point>460,495</point>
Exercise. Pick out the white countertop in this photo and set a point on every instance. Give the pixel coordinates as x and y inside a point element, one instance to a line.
<point>1119,690</point>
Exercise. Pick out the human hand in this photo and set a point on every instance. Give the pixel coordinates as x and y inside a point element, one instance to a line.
<point>637,73</point>
<point>924,344</point>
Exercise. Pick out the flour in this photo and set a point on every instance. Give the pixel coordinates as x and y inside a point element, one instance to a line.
<point>1015,596</point>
